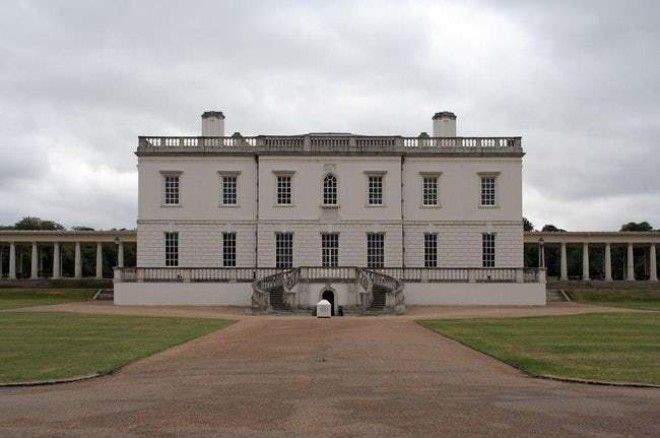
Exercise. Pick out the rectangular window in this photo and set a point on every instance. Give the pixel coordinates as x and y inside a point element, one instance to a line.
<point>430,190</point>
<point>229,250</point>
<point>375,250</point>
<point>284,190</point>
<point>171,189</point>
<point>229,196</point>
<point>488,250</point>
<point>172,249</point>
<point>430,250</point>
<point>488,190</point>
<point>375,190</point>
<point>284,250</point>
<point>330,250</point>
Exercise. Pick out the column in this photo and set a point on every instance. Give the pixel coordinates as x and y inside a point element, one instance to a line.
<point>120,255</point>
<point>78,263</point>
<point>563,263</point>
<point>630,262</point>
<point>585,262</point>
<point>34,262</point>
<point>608,262</point>
<point>57,270</point>
<point>99,260</point>
<point>653,271</point>
<point>12,261</point>
<point>2,253</point>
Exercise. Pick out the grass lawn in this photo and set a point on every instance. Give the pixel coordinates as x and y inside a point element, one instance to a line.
<point>37,346</point>
<point>14,298</point>
<point>610,347</point>
<point>643,299</point>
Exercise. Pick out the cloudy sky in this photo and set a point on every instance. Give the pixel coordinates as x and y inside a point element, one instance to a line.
<point>79,81</point>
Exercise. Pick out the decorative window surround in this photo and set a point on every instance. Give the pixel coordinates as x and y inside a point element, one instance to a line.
<point>488,189</point>
<point>229,188</point>
<point>171,189</point>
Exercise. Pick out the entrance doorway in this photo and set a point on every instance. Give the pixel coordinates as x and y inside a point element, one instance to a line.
<point>330,297</point>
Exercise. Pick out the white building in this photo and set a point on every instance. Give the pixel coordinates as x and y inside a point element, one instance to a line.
<point>439,217</point>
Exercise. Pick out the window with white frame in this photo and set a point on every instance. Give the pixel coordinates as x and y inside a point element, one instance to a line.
<point>229,190</point>
<point>430,190</point>
<point>329,250</point>
<point>172,249</point>
<point>229,250</point>
<point>375,194</point>
<point>488,190</point>
<point>284,189</point>
<point>171,195</point>
<point>330,190</point>
<point>375,250</point>
<point>284,250</point>
<point>488,250</point>
<point>430,250</point>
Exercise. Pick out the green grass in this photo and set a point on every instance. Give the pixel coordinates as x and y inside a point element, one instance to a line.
<point>642,299</point>
<point>15,298</point>
<point>38,346</point>
<point>608,347</point>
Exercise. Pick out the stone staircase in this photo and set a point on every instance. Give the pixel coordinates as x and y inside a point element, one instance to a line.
<point>555,296</point>
<point>277,303</point>
<point>104,295</point>
<point>377,306</point>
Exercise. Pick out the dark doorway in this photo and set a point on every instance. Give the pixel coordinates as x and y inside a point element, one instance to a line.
<point>330,296</point>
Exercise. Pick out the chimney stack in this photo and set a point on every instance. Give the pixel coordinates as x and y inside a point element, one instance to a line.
<point>444,124</point>
<point>213,124</point>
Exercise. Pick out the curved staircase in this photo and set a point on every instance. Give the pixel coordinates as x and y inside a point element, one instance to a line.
<point>378,293</point>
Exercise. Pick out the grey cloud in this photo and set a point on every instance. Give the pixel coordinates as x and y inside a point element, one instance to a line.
<point>79,81</point>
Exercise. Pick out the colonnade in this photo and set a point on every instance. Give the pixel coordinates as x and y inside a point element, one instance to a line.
<point>604,241</point>
<point>57,260</point>
<point>39,245</point>
<point>629,262</point>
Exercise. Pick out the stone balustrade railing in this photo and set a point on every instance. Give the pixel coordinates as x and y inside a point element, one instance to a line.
<point>329,143</point>
<point>344,273</point>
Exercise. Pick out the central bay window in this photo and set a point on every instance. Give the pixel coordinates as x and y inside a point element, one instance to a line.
<point>329,250</point>
<point>229,190</point>
<point>375,190</point>
<point>284,250</point>
<point>488,198</point>
<point>488,250</point>
<point>172,249</point>
<point>229,250</point>
<point>171,184</point>
<point>330,190</point>
<point>375,250</point>
<point>283,189</point>
<point>430,250</point>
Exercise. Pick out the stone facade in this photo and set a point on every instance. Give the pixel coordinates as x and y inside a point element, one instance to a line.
<point>458,218</point>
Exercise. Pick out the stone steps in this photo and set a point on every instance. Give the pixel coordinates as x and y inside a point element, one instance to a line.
<point>555,296</point>
<point>104,295</point>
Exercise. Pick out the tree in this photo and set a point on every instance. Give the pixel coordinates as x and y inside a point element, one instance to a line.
<point>35,223</point>
<point>636,226</point>
<point>552,229</point>
<point>527,225</point>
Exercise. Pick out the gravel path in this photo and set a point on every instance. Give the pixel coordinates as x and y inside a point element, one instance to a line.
<point>308,377</point>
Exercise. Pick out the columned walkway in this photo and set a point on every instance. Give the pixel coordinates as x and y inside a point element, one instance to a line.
<point>44,248</point>
<point>643,245</point>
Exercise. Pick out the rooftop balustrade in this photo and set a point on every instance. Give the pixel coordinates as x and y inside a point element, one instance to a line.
<point>336,143</point>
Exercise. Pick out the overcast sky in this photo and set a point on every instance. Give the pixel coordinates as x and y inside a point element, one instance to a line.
<point>578,80</point>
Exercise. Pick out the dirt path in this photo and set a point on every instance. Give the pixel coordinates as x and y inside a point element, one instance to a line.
<point>346,376</point>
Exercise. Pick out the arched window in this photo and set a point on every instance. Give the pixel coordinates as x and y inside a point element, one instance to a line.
<point>330,190</point>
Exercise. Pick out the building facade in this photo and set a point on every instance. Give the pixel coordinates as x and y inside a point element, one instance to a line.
<point>361,201</point>
<point>330,200</point>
